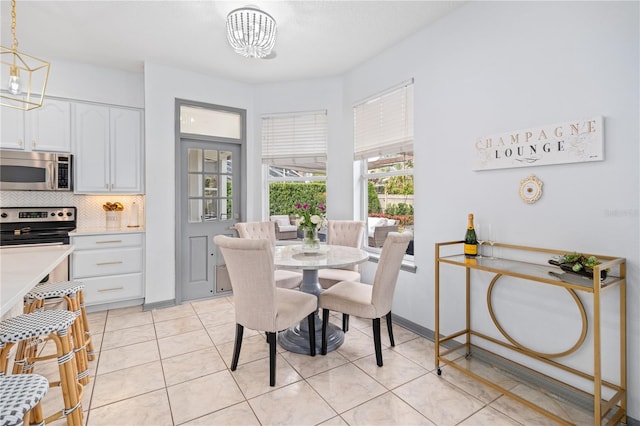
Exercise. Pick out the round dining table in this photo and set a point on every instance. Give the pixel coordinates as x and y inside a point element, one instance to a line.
<point>296,339</point>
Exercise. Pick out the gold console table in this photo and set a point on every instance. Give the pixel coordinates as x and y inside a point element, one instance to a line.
<point>610,411</point>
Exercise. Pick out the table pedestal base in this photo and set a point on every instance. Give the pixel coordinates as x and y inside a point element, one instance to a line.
<point>296,339</point>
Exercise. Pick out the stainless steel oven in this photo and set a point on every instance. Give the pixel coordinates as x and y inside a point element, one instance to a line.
<point>35,171</point>
<point>28,226</point>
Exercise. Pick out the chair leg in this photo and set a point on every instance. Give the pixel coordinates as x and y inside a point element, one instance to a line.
<point>325,322</point>
<point>345,322</point>
<point>390,328</point>
<point>312,333</point>
<point>376,341</point>
<point>271,337</point>
<point>236,347</point>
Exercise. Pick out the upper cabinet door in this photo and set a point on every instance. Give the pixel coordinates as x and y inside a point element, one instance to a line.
<point>91,147</point>
<point>126,150</point>
<point>108,149</point>
<point>48,128</point>
<point>12,129</point>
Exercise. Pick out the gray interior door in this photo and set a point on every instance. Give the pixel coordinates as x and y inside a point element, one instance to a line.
<point>209,206</point>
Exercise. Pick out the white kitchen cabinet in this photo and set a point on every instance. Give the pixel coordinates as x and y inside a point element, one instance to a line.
<point>110,266</point>
<point>12,133</point>
<point>47,128</point>
<point>108,149</point>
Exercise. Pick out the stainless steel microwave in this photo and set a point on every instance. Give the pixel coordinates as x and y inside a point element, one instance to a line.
<point>35,171</point>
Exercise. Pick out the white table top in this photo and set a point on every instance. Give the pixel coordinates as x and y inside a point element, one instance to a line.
<point>21,268</point>
<point>329,256</point>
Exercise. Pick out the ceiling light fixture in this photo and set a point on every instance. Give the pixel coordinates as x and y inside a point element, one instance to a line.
<point>251,32</point>
<point>28,75</point>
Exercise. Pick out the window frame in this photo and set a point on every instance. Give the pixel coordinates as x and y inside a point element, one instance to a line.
<point>270,161</point>
<point>397,145</point>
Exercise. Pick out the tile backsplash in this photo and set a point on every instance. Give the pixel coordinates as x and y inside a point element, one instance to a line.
<point>90,212</point>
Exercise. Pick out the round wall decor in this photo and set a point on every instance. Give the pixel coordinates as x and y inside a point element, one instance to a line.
<point>530,189</point>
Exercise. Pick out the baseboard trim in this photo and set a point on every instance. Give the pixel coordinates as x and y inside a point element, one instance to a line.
<point>510,367</point>
<point>114,305</point>
<point>159,305</point>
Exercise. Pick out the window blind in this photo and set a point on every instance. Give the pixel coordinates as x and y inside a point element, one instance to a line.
<point>295,140</point>
<point>384,124</point>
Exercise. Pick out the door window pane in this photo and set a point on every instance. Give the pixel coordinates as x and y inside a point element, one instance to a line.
<point>195,185</point>
<point>195,160</point>
<point>210,210</point>
<point>210,186</point>
<point>226,209</point>
<point>202,121</point>
<point>195,211</point>
<point>225,162</point>
<point>210,161</point>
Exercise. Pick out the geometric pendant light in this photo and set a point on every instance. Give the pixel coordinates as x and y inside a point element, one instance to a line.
<point>23,77</point>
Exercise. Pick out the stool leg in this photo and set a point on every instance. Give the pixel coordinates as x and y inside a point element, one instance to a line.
<point>78,340</point>
<point>27,349</point>
<point>88,341</point>
<point>5,348</point>
<point>34,416</point>
<point>71,390</point>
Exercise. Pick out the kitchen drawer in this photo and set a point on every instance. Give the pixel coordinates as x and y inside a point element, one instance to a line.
<point>106,241</point>
<point>112,289</point>
<point>93,263</point>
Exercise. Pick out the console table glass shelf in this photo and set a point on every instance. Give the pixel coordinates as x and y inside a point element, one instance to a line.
<point>529,264</point>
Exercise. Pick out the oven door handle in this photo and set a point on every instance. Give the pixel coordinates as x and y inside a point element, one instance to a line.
<point>32,245</point>
<point>52,175</point>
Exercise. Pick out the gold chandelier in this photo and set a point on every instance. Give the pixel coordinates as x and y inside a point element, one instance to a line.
<point>27,75</point>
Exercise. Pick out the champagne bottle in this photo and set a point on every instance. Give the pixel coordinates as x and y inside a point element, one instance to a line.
<point>470,239</point>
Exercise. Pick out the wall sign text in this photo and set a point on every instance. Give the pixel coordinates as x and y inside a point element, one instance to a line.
<point>570,142</point>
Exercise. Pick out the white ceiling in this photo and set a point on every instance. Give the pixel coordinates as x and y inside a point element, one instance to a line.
<point>314,39</point>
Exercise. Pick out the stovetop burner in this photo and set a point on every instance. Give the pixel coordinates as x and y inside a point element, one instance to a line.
<point>36,225</point>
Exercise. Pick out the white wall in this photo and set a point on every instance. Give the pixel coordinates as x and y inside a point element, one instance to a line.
<point>162,85</point>
<point>97,84</point>
<point>492,67</point>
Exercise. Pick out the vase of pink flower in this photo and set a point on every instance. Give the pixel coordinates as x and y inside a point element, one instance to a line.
<point>310,219</point>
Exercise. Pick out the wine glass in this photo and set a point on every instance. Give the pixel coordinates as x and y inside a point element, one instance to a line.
<point>490,239</point>
<point>479,238</point>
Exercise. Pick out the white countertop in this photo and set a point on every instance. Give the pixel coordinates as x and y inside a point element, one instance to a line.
<point>21,268</point>
<point>100,230</point>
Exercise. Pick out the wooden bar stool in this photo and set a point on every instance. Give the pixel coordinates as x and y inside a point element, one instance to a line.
<point>20,396</point>
<point>54,325</point>
<point>72,293</point>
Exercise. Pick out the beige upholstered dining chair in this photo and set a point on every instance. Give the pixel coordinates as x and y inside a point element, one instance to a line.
<point>342,233</point>
<point>259,304</point>
<point>267,230</point>
<point>369,301</point>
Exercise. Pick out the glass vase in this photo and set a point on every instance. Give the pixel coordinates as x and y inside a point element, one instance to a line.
<point>310,240</point>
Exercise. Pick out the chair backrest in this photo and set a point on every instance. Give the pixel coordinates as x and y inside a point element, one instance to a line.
<point>384,282</point>
<point>250,266</point>
<point>346,233</point>
<point>257,230</point>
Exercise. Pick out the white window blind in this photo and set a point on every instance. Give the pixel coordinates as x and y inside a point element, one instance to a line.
<point>383,124</point>
<point>296,140</point>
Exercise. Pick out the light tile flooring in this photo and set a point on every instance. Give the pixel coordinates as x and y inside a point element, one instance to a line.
<point>171,367</point>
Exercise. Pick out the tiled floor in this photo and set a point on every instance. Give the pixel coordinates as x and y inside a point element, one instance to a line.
<point>171,367</point>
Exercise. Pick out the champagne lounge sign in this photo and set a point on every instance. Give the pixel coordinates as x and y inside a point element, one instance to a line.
<point>570,142</point>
